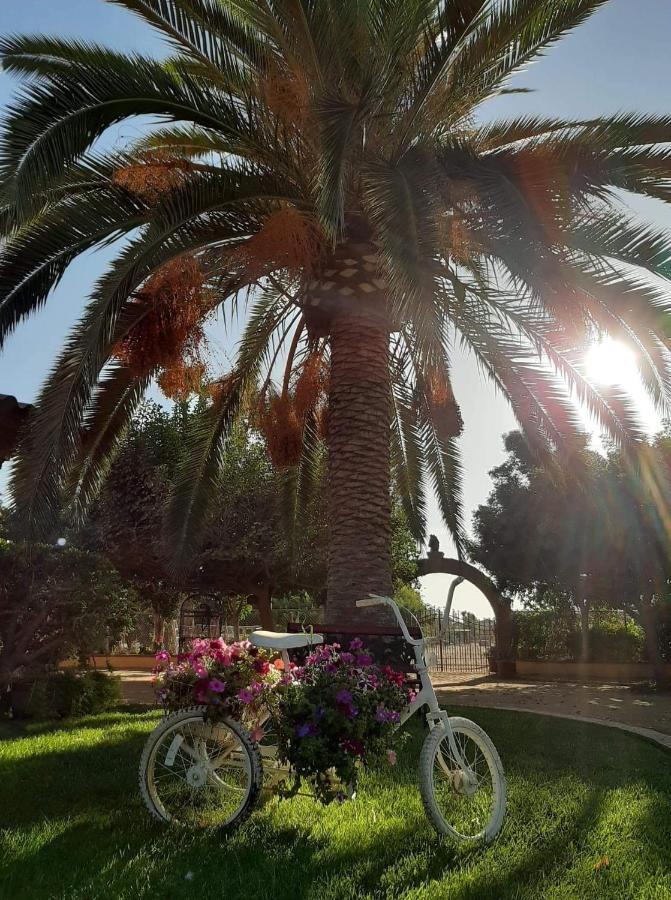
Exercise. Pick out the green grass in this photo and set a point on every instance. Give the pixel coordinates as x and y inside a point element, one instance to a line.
<point>73,824</point>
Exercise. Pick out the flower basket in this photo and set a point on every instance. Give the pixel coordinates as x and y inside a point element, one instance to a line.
<point>336,714</point>
<point>229,679</point>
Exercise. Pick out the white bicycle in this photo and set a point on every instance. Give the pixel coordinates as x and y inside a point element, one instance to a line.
<point>197,773</point>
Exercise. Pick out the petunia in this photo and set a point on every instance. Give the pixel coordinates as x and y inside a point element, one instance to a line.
<point>356,644</point>
<point>218,687</point>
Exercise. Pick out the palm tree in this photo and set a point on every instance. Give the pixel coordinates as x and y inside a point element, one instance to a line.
<point>318,167</point>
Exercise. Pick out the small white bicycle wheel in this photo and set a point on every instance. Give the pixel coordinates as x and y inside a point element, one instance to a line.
<point>465,797</point>
<point>200,774</point>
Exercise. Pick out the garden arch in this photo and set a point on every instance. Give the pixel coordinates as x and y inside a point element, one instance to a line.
<point>435,562</point>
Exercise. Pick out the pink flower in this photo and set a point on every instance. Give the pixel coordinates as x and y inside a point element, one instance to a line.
<point>257,733</point>
<point>217,686</point>
<point>249,695</point>
<point>224,657</point>
<point>391,757</point>
<point>200,691</point>
<point>162,655</point>
<point>199,669</point>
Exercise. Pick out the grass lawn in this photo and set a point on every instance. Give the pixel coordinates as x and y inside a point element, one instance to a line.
<point>73,824</point>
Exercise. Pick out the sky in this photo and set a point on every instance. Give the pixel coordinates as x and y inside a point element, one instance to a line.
<point>618,61</point>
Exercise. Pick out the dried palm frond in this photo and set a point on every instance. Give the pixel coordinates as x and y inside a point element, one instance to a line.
<point>287,95</point>
<point>288,239</point>
<point>181,379</point>
<point>311,387</point>
<point>444,408</point>
<point>155,174</point>
<point>177,301</point>
<point>283,431</point>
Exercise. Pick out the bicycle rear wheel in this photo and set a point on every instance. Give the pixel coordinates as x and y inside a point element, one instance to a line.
<point>464,797</point>
<point>200,774</point>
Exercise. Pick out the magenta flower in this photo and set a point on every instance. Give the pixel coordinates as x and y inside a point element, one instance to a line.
<point>218,687</point>
<point>199,669</point>
<point>364,659</point>
<point>162,655</point>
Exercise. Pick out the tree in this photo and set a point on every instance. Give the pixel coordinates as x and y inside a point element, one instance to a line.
<point>544,531</point>
<point>589,533</point>
<point>248,550</point>
<point>54,602</point>
<point>321,168</point>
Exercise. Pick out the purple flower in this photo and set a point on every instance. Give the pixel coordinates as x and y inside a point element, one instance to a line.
<point>356,644</point>
<point>343,696</point>
<point>306,729</point>
<point>217,686</point>
<point>364,659</point>
<point>347,658</point>
<point>246,696</point>
<point>386,715</point>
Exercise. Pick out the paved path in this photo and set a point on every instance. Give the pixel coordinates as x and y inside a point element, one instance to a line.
<point>607,704</point>
<point>614,704</point>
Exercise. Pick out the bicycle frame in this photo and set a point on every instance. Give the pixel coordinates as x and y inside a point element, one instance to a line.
<point>435,717</point>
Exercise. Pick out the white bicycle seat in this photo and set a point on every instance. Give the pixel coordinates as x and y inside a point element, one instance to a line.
<point>283,640</point>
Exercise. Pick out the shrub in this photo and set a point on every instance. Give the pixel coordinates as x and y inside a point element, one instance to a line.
<point>544,634</point>
<point>65,694</point>
<point>615,640</point>
<point>549,635</point>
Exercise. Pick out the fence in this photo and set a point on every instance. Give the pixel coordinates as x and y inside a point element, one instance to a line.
<point>464,645</point>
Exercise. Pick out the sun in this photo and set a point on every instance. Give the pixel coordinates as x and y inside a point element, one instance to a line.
<point>611,362</point>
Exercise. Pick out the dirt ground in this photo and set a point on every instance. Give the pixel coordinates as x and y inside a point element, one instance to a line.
<point>617,704</point>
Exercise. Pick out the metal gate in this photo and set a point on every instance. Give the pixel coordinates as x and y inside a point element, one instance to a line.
<point>465,645</point>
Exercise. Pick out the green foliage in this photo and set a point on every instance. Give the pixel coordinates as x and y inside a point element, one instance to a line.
<point>404,550</point>
<point>410,598</point>
<point>55,602</point>
<point>65,694</point>
<point>546,634</point>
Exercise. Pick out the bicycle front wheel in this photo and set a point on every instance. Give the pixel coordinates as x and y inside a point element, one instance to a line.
<point>200,774</point>
<point>464,793</point>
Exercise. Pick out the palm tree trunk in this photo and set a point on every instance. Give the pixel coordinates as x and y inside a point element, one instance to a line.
<point>359,503</point>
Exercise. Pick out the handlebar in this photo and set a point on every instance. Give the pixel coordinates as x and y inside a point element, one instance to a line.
<point>373,600</point>
<point>378,600</point>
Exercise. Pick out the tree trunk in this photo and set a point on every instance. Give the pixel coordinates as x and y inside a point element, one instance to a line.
<point>584,631</point>
<point>262,600</point>
<point>649,619</point>
<point>359,503</point>
<point>159,625</point>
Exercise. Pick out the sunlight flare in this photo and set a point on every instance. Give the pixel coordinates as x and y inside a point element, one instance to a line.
<point>611,362</point>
